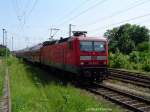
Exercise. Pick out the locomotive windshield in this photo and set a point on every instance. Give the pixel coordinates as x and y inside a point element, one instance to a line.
<point>86,46</point>
<point>92,46</point>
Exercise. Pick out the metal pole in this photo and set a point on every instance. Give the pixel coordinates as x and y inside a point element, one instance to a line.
<point>12,43</point>
<point>70,30</point>
<point>149,44</point>
<point>3,36</point>
<point>6,44</point>
<point>50,33</point>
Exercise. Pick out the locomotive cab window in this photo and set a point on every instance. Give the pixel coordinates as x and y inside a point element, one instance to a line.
<point>97,46</point>
<point>86,46</point>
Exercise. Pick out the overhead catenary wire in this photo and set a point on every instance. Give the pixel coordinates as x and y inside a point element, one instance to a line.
<point>143,21</point>
<point>133,5</point>
<point>25,8</point>
<point>33,7</point>
<point>27,14</point>
<point>82,12</point>
<point>26,5</point>
<point>134,18</point>
<point>75,9</point>
<point>23,13</point>
<point>16,9</point>
<point>15,6</point>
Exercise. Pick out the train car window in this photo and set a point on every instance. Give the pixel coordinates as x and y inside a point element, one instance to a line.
<point>70,45</point>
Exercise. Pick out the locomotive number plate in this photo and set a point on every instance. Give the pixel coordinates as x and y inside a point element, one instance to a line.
<point>94,57</point>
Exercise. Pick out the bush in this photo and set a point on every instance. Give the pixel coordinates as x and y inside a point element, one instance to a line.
<point>135,61</point>
<point>111,57</point>
<point>146,66</point>
<point>134,57</point>
<point>118,60</point>
<point>144,46</point>
<point>3,51</point>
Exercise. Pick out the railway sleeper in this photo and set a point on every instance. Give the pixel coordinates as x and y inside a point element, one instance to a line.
<point>128,101</point>
<point>138,104</point>
<point>130,81</point>
<point>132,74</point>
<point>130,77</point>
<point>108,93</point>
<point>124,99</point>
<point>117,97</point>
<point>145,108</point>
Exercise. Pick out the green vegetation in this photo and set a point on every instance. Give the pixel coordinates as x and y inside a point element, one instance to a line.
<point>3,51</point>
<point>34,90</point>
<point>129,47</point>
<point>134,61</point>
<point>2,73</point>
<point>126,38</point>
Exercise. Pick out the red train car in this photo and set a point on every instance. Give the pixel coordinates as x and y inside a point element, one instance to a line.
<point>82,55</point>
<point>31,54</point>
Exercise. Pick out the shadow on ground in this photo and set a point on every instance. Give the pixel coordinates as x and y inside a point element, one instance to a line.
<point>46,75</point>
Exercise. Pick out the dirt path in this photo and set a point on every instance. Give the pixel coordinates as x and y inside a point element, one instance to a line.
<point>5,101</point>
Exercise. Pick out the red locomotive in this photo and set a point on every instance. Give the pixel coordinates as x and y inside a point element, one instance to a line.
<point>85,57</point>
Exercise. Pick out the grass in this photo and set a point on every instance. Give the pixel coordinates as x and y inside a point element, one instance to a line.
<point>34,90</point>
<point>2,73</point>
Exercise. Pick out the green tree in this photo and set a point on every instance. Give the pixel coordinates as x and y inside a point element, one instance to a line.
<point>126,37</point>
<point>144,46</point>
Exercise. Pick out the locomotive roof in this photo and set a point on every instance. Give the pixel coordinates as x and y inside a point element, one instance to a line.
<point>82,37</point>
<point>91,38</point>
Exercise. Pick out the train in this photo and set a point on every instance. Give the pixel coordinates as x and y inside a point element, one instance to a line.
<point>84,56</point>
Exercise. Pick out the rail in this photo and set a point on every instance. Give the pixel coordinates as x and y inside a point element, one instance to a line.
<point>131,102</point>
<point>130,77</point>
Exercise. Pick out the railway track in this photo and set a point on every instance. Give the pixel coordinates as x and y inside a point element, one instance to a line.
<point>130,77</point>
<point>5,102</point>
<point>131,102</point>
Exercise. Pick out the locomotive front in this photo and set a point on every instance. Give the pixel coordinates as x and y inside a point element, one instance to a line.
<point>93,57</point>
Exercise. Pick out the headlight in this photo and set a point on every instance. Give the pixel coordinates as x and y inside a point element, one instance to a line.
<point>82,63</point>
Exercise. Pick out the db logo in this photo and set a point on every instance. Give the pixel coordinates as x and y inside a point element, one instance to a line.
<point>94,57</point>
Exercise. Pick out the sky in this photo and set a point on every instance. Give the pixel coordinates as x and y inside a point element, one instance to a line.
<point>29,21</point>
